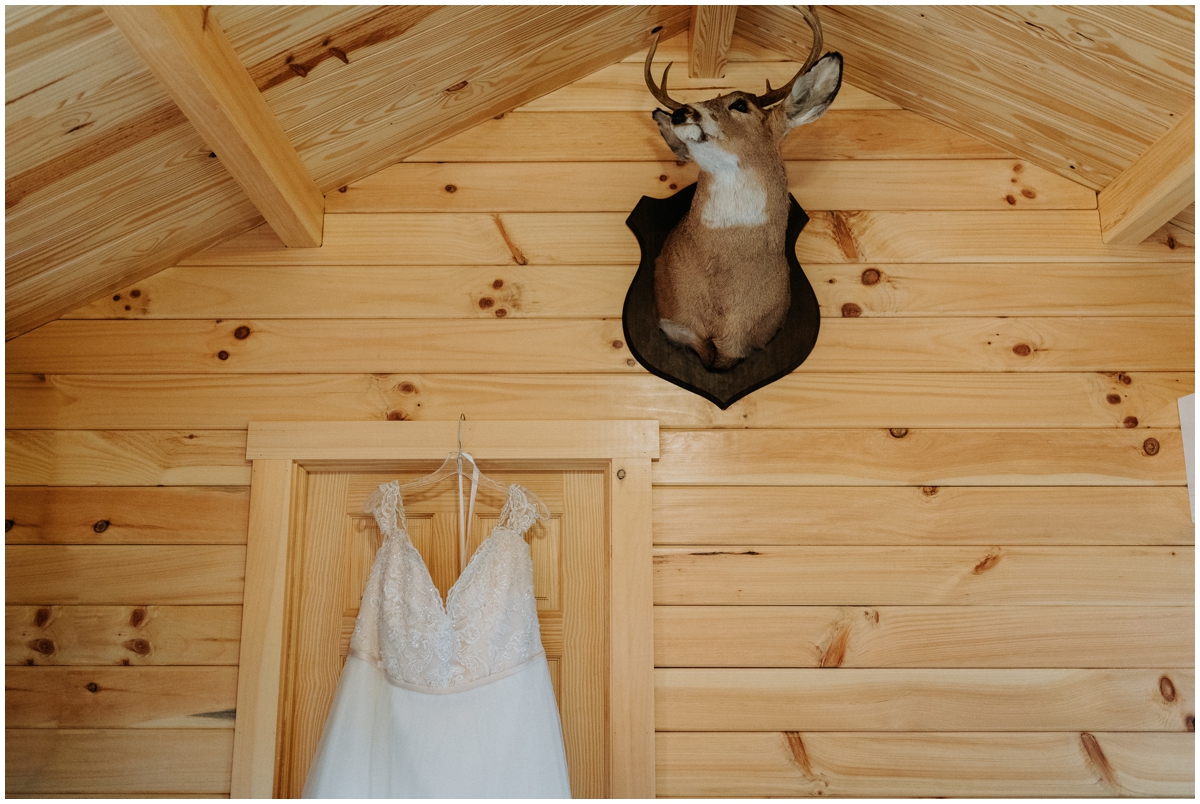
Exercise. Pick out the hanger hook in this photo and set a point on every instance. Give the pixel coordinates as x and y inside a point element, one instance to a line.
<point>462,417</point>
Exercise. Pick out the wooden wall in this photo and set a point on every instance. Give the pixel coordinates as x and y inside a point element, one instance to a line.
<point>951,555</point>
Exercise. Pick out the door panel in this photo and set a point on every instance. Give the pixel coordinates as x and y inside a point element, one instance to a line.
<point>330,565</point>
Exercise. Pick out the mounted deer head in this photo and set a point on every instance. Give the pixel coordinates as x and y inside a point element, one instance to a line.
<point>721,281</point>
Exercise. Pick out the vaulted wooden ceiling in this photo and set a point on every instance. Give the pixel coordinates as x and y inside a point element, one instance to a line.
<point>108,180</point>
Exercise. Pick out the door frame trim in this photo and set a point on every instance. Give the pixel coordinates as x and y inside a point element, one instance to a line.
<point>283,452</point>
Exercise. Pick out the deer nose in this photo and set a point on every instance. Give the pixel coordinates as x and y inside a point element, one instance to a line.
<point>682,114</point>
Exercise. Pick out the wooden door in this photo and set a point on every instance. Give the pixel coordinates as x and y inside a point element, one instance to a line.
<point>329,568</point>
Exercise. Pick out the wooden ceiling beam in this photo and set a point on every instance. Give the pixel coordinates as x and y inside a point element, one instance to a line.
<point>1152,190</point>
<point>710,37</point>
<point>188,53</point>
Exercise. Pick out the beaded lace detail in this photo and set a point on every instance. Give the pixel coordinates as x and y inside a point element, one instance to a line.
<point>489,622</point>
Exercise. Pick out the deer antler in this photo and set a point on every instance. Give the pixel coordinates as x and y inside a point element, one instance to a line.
<point>659,93</point>
<point>774,96</point>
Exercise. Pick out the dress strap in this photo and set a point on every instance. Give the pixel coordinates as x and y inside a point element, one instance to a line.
<point>465,522</point>
<point>387,507</point>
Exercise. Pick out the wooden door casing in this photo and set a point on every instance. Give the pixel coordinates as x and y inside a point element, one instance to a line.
<point>331,563</point>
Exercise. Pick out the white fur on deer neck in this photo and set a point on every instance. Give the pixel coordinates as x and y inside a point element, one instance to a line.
<point>735,196</point>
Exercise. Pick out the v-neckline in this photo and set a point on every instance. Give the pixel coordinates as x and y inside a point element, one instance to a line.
<point>444,604</point>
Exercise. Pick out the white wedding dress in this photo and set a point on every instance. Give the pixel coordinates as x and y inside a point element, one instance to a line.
<point>449,701</point>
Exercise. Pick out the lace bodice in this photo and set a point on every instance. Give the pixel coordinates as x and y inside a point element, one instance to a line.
<point>489,622</point>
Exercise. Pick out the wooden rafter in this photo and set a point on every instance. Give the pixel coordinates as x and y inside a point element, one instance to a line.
<point>710,36</point>
<point>189,54</point>
<point>1153,189</point>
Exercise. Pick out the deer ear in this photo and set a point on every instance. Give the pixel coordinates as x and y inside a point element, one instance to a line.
<point>677,145</point>
<point>814,91</point>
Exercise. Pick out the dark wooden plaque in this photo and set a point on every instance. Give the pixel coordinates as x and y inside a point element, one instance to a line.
<point>651,221</point>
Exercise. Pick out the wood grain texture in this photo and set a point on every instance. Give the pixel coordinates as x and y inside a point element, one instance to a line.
<point>582,238</point>
<point>710,33</point>
<point>920,700</point>
<point>922,515</point>
<point>1153,189</point>
<point>867,764</point>
<point>920,457</point>
<point>117,761</point>
<point>598,291</point>
<point>190,55</point>
<point>633,137</point>
<point>116,458</point>
<point>809,399</point>
<point>124,575</point>
<point>47,515</point>
<point>621,87</point>
<point>1022,636</point>
<point>922,576</point>
<point>987,184</point>
<point>883,344</point>
<point>119,697</point>
<point>273,516</point>
<point>1080,110</point>
<point>122,635</point>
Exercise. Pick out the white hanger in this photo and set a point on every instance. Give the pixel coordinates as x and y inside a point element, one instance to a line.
<point>453,465</point>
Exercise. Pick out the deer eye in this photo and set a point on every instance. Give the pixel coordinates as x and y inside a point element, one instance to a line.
<point>740,105</point>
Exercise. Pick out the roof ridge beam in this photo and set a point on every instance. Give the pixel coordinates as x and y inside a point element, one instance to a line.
<point>710,35</point>
<point>188,53</point>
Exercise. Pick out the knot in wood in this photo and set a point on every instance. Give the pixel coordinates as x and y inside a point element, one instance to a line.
<point>93,687</point>
<point>1189,722</point>
<point>851,310</point>
<point>1124,379</point>
<point>1022,350</point>
<point>101,526</point>
<point>898,432</point>
<point>135,293</point>
<point>41,618</point>
<point>1150,446</point>
<point>339,54</point>
<point>406,388</point>
<point>1114,399</point>
<point>617,344</point>
<point>299,69</point>
<point>451,188</point>
<point>397,416</point>
<point>42,646</point>
<point>1130,422</point>
<point>137,617</point>
<point>486,303</point>
<point>499,283</point>
<point>222,355</point>
<point>620,474</point>
<point>139,646</point>
<point>461,85</point>
<point>1167,689</point>
<point>242,332</point>
<point>929,491</point>
<point>8,525</point>
<point>501,313</point>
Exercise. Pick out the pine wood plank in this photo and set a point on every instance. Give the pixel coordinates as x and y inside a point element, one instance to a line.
<point>124,575</point>
<point>115,458</point>
<point>621,87</point>
<point>298,346</point>
<point>920,457</point>
<point>46,515</point>
<point>675,48</point>
<point>813,399</point>
<point>1023,636</point>
<point>922,515</point>
<point>598,291</point>
<point>1152,190</point>
<point>124,635</point>
<point>710,33</point>
<point>922,700</point>
<point>189,54</point>
<point>580,238</point>
<point>119,697</point>
<point>402,101</point>
<point>117,761</point>
<point>868,764</point>
<point>986,184</point>
<point>920,576</point>
<point>633,137</point>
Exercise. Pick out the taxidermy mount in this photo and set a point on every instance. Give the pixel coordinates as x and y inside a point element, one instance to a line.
<point>721,281</point>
